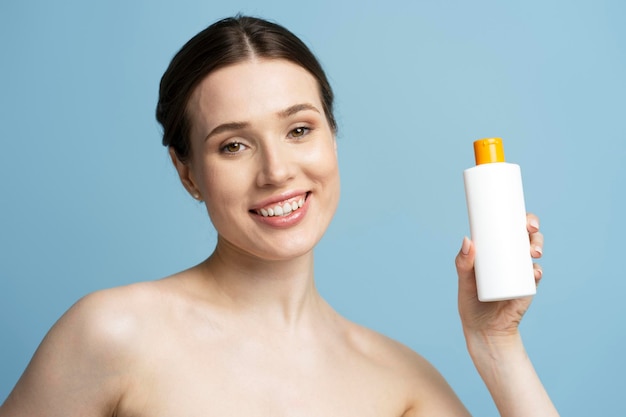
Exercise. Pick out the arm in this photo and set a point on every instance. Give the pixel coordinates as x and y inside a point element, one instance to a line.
<point>511,377</point>
<point>494,342</point>
<point>75,371</point>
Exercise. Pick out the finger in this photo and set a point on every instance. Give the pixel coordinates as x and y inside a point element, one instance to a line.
<point>465,260</point>
<point>532,223</point>
<point>536,237</point>
<point>465,270</point>
<point>538,271</point>
<point>536,244</point>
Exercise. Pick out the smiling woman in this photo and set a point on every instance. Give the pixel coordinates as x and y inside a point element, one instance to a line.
<point>259,140</point>
<point>247,116</point>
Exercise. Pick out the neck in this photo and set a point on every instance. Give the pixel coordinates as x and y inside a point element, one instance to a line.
<point>276,292</point>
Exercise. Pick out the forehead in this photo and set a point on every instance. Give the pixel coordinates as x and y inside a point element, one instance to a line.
<point>251,90</point>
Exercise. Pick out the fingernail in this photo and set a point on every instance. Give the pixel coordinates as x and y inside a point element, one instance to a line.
<point>538,249</point>
<point>534,223</point>
<point>465,247</point>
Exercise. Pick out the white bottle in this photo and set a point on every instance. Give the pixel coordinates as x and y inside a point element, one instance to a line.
<point>497,218</point>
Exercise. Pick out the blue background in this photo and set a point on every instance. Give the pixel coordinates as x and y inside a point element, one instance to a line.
<point>89,199</point>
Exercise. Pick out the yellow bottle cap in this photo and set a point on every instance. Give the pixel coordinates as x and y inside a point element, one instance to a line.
<point>488,150</point>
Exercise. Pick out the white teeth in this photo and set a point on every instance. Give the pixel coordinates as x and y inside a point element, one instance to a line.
<point>283,210</point>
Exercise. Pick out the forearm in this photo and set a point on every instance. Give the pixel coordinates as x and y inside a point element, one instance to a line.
<point>510,376</point>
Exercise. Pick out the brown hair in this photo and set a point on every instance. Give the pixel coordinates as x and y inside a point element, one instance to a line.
<point>227,42</point>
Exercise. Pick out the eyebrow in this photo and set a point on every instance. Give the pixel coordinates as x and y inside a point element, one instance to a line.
<point>290,111</point>
<point>225,127</point>
<point>283,114</point>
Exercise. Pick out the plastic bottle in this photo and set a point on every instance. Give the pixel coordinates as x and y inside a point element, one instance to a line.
<point>497,218</point>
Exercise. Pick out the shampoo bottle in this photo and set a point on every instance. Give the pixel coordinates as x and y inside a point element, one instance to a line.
<point>497,219</point>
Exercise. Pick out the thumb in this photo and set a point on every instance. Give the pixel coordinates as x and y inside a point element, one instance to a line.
<point>468,291</point>
<point>465,260</point>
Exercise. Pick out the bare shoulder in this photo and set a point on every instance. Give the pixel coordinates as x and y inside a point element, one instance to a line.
<point>82,365</point>
<point>116,313</point>
<point>428,393</point>
<point>107,323</point>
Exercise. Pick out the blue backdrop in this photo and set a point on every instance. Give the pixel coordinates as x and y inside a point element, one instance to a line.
<point>89,199</point>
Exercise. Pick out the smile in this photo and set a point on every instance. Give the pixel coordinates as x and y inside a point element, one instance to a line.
<point>281,209</point>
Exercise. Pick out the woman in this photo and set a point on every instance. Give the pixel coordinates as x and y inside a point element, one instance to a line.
<point>247,117</point>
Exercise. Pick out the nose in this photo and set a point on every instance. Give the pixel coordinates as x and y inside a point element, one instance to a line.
<point>277,165</point>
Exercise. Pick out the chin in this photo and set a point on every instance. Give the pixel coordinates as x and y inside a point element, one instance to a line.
<point>288,252</point>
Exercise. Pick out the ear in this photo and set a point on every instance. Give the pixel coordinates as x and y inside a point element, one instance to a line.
<point>185,175</point>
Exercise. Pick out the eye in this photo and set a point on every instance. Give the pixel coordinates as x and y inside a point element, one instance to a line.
<point>298,132</point>
<point>233,147</point>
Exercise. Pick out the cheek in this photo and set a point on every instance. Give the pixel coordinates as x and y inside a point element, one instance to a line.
<point>324,160</point>
<point>223,188</point>
<point>323,167</point>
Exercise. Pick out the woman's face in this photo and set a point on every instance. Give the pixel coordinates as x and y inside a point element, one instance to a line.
<point>263,158</point>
